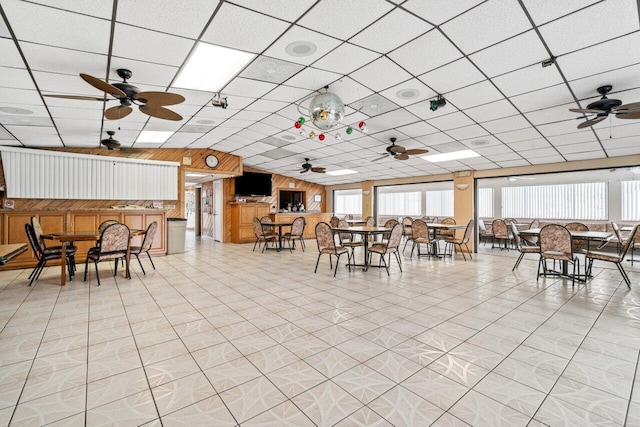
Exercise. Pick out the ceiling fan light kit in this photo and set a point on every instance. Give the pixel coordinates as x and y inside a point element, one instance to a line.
<point>602,108</point>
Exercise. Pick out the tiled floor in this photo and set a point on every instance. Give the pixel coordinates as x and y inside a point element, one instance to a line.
<point>222,335</point>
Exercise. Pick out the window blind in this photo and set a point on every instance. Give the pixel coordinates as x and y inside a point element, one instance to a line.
<point>630,200</point>
<point>400,204</point>
<point>439,202</point>
<point>485,202</point>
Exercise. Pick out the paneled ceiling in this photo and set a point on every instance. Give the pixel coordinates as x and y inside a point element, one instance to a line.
<point>385,59</point>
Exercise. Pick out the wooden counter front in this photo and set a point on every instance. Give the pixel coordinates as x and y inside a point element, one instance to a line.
<point>12,228</point>
<point>312,220</point>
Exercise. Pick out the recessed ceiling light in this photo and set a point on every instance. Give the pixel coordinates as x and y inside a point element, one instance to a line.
<point>288,137</point>
<point>407,93</point>
<point>154,136</point>
<point>454,155</point>
<point>301,48</point>
<point>210,67</point>
<point>479,142</point>
<point>13,110</point>
<point>341,172</point>
<point>206,122</point>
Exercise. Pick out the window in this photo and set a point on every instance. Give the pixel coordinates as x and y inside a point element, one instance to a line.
<point>347,202</point>
<point>485,202</point>
<point>587,201</point>
<point>439,202</point>
<point>400,204</point>
<point>630,199</point>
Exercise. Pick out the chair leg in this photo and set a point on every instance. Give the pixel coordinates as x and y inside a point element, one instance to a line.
<point>399,262</point>
<point>86,267</point>
<point>97,274</point>
<point>468,251</point>
<point>337,262</point>
<point>518,262</point>
<point>36,271</point>
<point>115,270</point>
<point>138,258</point>
<point>317,262</point>
<point>384,261</point>
<point>151,260</point>
<point>624,274</point>
<point>255,243</point>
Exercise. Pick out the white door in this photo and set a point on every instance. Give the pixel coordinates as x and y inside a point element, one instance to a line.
<point>217,210</point>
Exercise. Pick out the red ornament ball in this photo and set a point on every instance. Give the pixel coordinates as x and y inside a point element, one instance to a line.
<point>321,137</point>
<point>361,125</point>
<point>297,125</point>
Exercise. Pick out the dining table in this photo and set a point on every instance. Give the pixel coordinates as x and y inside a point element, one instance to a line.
<point>356,222</point>
<point>67,238</point>
<point>365,231</point>
<point>280,224</point>
<point>10,251</point>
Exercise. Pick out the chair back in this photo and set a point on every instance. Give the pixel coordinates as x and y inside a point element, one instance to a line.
<point>297,227</point>
<point>257,227</point>
<point>509,221</point>
<point>516,235</point>
<point>535,224</point>
<point>334,221</point>
<point>468,231</point>
<point>348,216</point>
<point>390,223</point>
<point>407,223</point>
<point>266,220</point>
<point>395,236</point>
<point>33,240</point>
<point>629,242</point>
<point>114,238</point>
<point>616,230</point>
<point>343,235</point>
<point>499,228</point>
<point>419,229</point>
<point>370,221</point>
<point>37,229</point>
<point>324,237</point>
<point>578,244</point>
<point>105,224</point>
<point>149,235</point>
<point>481,226</point>
<point>448,221</point>
<point>556,238</point>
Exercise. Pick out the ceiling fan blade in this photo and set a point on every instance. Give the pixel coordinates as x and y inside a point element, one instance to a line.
<point>117,112</point>
<point>159,98</point>
<point>585,110</point>
<point>304,171</point>
<point>319,170</point>
<point>402,156</point>
<point>103,86</point>
<point>397,149</point>
<point>160,112</point>
<point>629,115</point>
<point>81,98</point>
<point>415,151</point>
<point>631,106</point>
<point>591,122</point>
<point>380,158</point>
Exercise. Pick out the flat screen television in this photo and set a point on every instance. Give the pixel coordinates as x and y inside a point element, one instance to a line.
<point>253,184</point>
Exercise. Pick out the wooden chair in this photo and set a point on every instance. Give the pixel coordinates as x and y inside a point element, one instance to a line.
<point>145,247</point>
<point>616,258</point>
<point>43,255</point>
<point>262,234</point>
<point>389,247</point>
<point>297,230</point>
<point>462,241</point>
<point>524,249</point>
<point>114,244</point>
<point>327,245</point>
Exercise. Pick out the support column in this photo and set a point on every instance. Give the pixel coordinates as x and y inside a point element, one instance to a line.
<point>463,203</point>
<point>367,198</point>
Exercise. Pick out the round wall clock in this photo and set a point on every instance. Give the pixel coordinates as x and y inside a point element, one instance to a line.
<point>212,161</point>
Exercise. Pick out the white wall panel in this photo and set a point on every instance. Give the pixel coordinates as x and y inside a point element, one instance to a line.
<point>41,174</point>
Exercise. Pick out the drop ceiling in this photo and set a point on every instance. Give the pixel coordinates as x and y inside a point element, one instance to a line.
<point>385,59</point>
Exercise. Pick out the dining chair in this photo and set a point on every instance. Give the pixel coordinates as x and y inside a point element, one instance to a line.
<point>500,233</point>
<point>555,244</point>
<point>619,237</point>
<point>70,250</point>
<point>420,236</point>
<point>145,246</point>
<point>114,244</point>
<point>296,232</point>
<point>579,245</point>
<point>43,255</point>
<point>327,245</point>
<point>263,234</point>
<point>105,224</point>
<point>370,221</point>
<point>524,249</point>
<point>265,221</point>
<point>615,258</point>
<point>390,223</point>
<point>446,234</point>
<point>464,240</point>
<point>531,240</point>
<point>483,233</point>
<point>407,222</point>
<point>387,248</point>
<point>348,240</point>
<point>334,221</point>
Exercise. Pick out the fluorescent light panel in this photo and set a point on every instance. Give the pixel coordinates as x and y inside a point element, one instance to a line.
<point>341,172</point>
<point>211,67</point>
<point>154,136</point>
<point>454,155</point>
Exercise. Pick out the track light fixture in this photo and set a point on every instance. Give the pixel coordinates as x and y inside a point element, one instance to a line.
<point>438,102</point>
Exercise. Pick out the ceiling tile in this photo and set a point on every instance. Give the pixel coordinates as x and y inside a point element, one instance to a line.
<point>374,105</point>
<point>248,88</point>
<point>380,74</point>
<point>572,138</point>
<point>171,16</point>
<point>242,29</point>
<point>266,106</point>
<point>409,92</point>
<point>391,120</point>
<point>536,100</point>
<point>283,9</point>
<point>302,46</point>
<point>313,79</point>
<point>491,111</point>
<point>417,129</point>
<point>620,79</point>
<point>471,96</point>
<point>506,124</point>
<point>614,19</point>
<point>344,19</point>
<point>511,54</point>
<point>528,79</point>
<point>465,132</point>
<point>450,121</point>
<point>452,76</point>
<point>174,49</point>
<point>10,56</point>
<point>552,115</point>
<point>19,78</point>
<point>103,9</point>
<point>439,11</point>
<point>377,37</point>
<point>486,24</point>
<point>41,24</point>
<point>286,94</point>
<point>346,58</point>
<point>349,91</point>
<point>544,11</point>
<point>271,69</point>
<point>425,53</point>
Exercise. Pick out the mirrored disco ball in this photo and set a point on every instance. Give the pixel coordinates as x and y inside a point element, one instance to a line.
<point>326,111</point>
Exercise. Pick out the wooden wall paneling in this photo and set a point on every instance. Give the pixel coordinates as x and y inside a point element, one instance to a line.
<point>84,222</point>
<point>134,221</point>
<point>160,238</point>
<point>54,222</point>
<point>16,233</point>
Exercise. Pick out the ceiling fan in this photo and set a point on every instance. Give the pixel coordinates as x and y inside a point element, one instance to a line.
<point>150,103</point>
<point>306,167</point>
<point>600,109</point>
<point>113,144</point>
<point>398,152</point>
